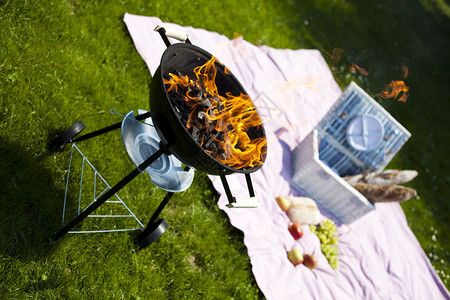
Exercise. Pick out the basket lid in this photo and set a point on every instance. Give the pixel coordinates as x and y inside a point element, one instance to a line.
<point>365,133</point>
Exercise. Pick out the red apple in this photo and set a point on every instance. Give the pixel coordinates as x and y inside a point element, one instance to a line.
<point>310,261</point>
<point>296,230</point>
<point>295,256</point>
<point>283,203</point>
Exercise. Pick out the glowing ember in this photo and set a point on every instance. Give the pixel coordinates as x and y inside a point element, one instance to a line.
<point>225,126</point>
<point>394,89</point>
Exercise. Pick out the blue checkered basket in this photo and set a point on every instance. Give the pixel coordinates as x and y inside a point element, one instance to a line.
<point>326,154</point>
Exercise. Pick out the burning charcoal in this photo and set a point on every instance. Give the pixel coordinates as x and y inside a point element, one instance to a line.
<point>202,116</point>
<point>205,104</point>
<point>210,141</point>
<point>185,114</point>
<point>211,113</point>
<point>220,136</point>
<point>194,92</point>
<point>213,148</point>
<point>195,107</point>
<point>218,101</point>
<point>222,156</point>
<point>196,134</point>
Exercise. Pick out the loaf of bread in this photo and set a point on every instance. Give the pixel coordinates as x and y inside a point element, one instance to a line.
<point>302,210</point>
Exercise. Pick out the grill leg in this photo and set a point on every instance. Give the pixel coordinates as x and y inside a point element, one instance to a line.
<point>60,141</point>
<point>108,195</point>
<point>152,233</point>
<point>238,202</point>
<point>159,209</point>
<point>230,197</point>
<point>155,229</point>
<point>108,128</point>
<point>249,185</point>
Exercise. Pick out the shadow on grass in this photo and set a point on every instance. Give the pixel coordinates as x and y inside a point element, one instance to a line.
<point>28,214</point>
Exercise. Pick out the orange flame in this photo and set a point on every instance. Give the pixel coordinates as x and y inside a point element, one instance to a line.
<point>404,72</point>
<point>237,35</point>
<point>393,89</point>
<point>336,55</point>
<point>230,117</point>
<point>362,71</point>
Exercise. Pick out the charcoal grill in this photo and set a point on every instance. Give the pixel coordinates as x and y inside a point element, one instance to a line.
<point>172,146</point>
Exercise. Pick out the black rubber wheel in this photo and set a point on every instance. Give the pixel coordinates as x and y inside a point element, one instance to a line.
<point>151,234</point>
<point>68,135</point>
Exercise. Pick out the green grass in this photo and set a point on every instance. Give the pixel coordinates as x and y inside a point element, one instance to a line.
<point>65,61</point>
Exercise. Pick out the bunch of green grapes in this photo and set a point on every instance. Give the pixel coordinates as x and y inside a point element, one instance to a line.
<point>326,232</point>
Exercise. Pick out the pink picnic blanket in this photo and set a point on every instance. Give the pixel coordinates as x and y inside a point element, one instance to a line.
<point>379,256</point>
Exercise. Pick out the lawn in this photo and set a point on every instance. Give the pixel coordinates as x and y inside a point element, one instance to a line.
<point>64,61</point>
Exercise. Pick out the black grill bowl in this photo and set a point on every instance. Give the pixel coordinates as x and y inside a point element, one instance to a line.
<point>184,58</point>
